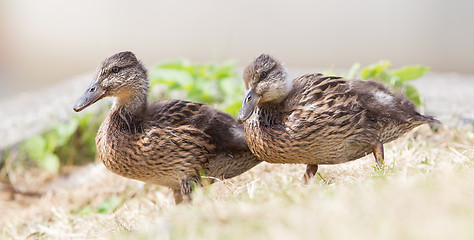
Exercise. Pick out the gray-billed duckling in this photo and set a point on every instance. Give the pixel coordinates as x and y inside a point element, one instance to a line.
<point>169,143</point>
<point>315,119</point>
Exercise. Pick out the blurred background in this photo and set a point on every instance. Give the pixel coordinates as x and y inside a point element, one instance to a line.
<point>44,42</point>
<point>52,186</point>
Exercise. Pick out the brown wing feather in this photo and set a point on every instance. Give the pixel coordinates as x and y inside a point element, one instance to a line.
<point>224,131</point>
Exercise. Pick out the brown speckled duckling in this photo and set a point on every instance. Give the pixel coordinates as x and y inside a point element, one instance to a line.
<point>319,120</point>
<point>169,143</point>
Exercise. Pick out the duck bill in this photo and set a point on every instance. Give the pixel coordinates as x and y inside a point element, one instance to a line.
<point>93,94</point>
<point>251,99</point>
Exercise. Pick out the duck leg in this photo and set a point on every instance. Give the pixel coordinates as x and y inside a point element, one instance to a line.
<point>311,170</point>
<point>377,150</point>
<point>186,188</point>
<point>178,197</point>
<point>182,194</point>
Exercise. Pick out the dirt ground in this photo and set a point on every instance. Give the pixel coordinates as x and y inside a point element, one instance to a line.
<point>425,191</point>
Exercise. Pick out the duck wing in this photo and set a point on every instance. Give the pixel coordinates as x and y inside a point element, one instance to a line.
<point>325,108</point>
<point>384,106</point>
<point>363,111</point>
<point>224,131</point>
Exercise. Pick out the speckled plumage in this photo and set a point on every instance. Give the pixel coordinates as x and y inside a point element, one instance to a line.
<point>169,143</point>
<point>320,120</point>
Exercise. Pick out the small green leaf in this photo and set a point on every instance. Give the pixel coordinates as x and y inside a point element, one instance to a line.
<point>50,162</point>
<point>411,72</point>
<point>65,131</point>
<point>174,78</point>
<point>228,87</point>
<point>233,108</point>
<point>395,82</point>
<point>35,147</point>
<point>375,70</point>
<point>84,211</point>
<point>108,205</point>
<point>413,94</point>
<point>225,71</point>
<point>51,141</point>
<point>84,120</point>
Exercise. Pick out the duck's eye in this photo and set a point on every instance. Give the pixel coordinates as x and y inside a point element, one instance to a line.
<point>263,75</point>
<point>115,69</point>
<point>249,98</point>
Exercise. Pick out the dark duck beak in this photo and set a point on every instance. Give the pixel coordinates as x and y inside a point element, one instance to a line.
<point>93,94</point>
<point>251,99</point>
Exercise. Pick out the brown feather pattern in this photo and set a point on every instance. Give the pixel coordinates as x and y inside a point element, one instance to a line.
<point>322,119</point>
<point>169,143</point>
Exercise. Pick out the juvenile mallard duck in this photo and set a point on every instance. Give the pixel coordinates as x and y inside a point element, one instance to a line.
<point>169,143</point>
<point>319,120</point>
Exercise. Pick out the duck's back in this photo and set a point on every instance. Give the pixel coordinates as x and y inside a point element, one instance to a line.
<point>393,114</point>
<point>366,104</point>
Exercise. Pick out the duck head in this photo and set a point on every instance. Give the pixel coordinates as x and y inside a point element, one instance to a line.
<point>120,75</point>
<point>265,81</point>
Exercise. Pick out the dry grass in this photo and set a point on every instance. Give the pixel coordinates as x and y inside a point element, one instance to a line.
<point>426,191</point>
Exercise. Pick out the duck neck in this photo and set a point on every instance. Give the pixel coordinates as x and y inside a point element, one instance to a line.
<point>270,113</point>
<point>128,111</point>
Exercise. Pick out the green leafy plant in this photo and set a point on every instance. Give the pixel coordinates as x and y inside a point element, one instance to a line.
<point>41,148</point>
<point>397,79</point>
<point>67,143</point>
<point>209,83</point>
<point>109,205</point>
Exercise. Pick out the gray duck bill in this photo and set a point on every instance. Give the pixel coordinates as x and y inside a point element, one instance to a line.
<point>93,94</point>
<point>251,99</point>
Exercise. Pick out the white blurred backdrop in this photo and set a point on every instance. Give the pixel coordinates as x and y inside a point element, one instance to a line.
<point>43,42</point>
